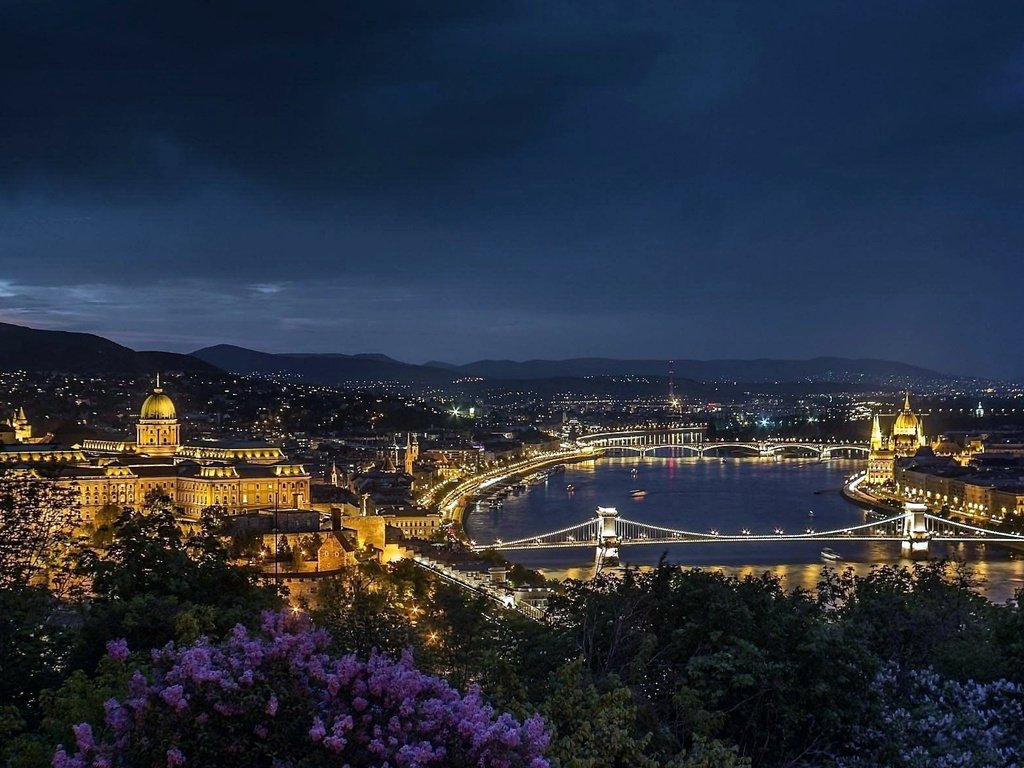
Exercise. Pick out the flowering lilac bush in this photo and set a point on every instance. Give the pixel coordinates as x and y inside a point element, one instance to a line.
<point>933,722</point>
<point>278,699</point>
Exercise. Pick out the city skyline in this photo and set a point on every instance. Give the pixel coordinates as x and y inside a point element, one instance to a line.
<point>482,180</point>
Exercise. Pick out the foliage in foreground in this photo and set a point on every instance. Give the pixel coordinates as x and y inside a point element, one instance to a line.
<point>932,722</point>
<point>672,667</point>
<point>276,698</point>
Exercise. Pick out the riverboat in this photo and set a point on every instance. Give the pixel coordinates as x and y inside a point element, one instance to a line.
<point>830,554</point>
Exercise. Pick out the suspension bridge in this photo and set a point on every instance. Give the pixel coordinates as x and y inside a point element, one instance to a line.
<point>915,528</point>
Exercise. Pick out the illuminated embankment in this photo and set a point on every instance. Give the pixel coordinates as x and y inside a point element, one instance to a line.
<point>855,494</point>
<point>453,505</point>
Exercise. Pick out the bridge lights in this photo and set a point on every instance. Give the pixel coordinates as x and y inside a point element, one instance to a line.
<point>714,531</point>
<point>745,531</point>
<point>779,531</point>
<point>809,530</point>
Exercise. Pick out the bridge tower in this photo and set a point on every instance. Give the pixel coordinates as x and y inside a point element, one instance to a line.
<point>915,531</point>
<point>607,538</point>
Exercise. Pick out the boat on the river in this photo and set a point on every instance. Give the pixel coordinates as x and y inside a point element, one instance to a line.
<point>638,493</point>
<point>830,554</point>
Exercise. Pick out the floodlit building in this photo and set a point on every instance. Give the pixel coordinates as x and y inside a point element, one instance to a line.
<point>906,436</point>
<point>239,476</point>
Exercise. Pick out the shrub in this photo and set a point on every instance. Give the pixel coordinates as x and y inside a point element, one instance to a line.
<point>277,698</point>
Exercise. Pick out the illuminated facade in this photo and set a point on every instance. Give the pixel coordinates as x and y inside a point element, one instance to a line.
<point>905,438</point>
<point>18,430</point>
<point>158,433</point>
<point>238,476</point>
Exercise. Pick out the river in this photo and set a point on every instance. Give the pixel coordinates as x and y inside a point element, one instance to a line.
<point>729,496</point>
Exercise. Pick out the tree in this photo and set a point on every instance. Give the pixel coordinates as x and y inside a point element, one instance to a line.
<point>363,614</point>
<point>154,584</point>
<point>37,520</point>
<point>38,517</point>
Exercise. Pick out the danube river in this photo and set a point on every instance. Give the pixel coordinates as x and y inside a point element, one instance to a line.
<point>729,496</point>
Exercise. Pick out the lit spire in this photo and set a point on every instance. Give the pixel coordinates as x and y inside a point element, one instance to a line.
<point>906,401</point>
<point>876,434</point>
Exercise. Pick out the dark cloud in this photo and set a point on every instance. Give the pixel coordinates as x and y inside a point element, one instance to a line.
<point>468,179</point>
<point>319,95</point>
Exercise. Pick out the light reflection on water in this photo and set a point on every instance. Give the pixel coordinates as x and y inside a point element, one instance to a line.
<point>700,495</point>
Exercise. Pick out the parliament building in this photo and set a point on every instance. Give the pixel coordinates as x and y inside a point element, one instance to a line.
<point>238,476</point>
<point>905,437</point>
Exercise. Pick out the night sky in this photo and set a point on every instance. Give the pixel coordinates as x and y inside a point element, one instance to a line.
<point>461,180</point>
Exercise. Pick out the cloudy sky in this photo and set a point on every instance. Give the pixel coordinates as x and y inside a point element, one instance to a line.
<point>459,180</point>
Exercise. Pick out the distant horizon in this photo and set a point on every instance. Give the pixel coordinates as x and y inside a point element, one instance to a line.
<point>803,358</point>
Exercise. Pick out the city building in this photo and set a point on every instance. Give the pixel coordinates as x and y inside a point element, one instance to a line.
<point>238,476</point>
<point>906,436</point>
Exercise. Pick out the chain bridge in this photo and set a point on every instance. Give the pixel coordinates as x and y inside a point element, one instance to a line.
<point>689,440</point>
<point>915,528</point>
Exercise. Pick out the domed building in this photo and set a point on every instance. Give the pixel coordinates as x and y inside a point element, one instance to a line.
<point>907,431</point>
<point>905,438</point>
<point>157,432</point>
<point>237,476</point>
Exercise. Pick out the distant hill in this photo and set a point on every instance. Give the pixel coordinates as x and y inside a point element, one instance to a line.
<point>31,349</point>
<point>325,369</point>
<point>819,369</point>
<point>331,369</point>
<point>40,350</point>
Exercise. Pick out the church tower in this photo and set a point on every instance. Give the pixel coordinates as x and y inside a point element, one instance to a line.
<point>22,429</point>
<point>412,453</point>
<point>158,433</point>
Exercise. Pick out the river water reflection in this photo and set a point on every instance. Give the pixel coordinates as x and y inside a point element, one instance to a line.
<point>729,496</point>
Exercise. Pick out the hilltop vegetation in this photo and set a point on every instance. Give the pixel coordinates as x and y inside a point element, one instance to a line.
<point>672,667</point>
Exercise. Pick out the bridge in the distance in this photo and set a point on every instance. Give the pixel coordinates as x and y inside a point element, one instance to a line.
<point>688,440</point>
<point>915,528</point>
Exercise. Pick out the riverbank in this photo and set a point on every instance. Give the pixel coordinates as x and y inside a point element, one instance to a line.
<point>852,492</point>
<point>453,506</point>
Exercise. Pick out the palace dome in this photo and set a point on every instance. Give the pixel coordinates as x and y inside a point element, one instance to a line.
<point>157,406</point>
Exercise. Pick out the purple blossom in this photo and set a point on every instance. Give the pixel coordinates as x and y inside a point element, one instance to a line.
<point>282,680</point>
<point>932,721</point>
<point>175,696</point>
<point>117,649</point>
<point>83,737</point>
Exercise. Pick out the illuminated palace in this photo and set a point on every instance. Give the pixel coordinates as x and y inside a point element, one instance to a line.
<point>239,476</point>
